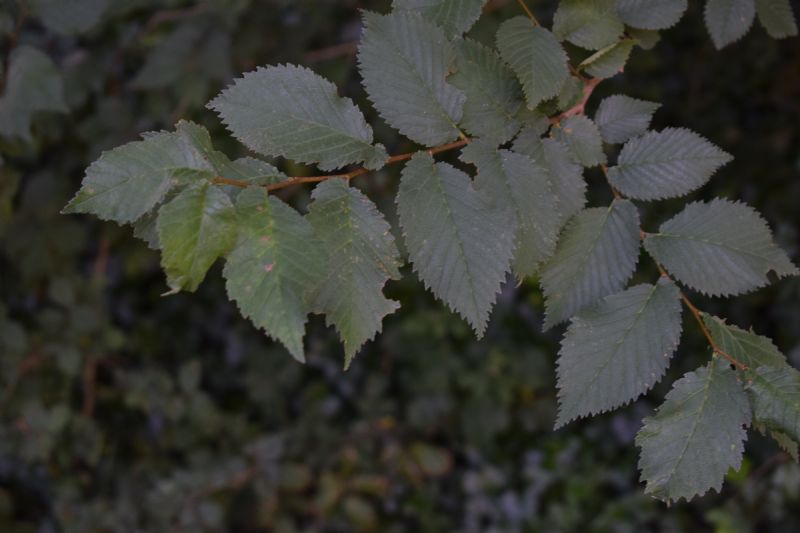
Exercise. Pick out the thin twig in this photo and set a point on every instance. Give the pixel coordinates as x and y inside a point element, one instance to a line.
<point>528,12</point>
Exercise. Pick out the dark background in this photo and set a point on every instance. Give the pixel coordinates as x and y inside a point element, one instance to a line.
<point>121,410</point>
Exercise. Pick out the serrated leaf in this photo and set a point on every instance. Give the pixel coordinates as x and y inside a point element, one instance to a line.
<point>729,20</point>
<point>404,60</point>
<point>787,445</point>
<point>571,93</point>
<point>665,164</point>
<point>276,259</point>
<point>646,39</point>
<point>777,18</point>
<point>455,16</point>
<point>745,346</point>
<point>128,181</point>
<point>608,61</point>
<point>362,257</point>
<point>293,112</point>
<point>621,117</point>
<point>494,96</point>
<point>596,255</point>
<point>516,180</point>
<point>590,24</point>
<point>581,135</point>
<point>461,245</point>
<point>252,170</point>
<point>720,248</point>
<point>33,85</point>
<point>194,229</point>
<point>566,174</point>
<point>617,350</point>
<point>535,56</point>
<point>651,14</point>
<point>69,16</point>
<point>696,436</point>
<point>775,397</point>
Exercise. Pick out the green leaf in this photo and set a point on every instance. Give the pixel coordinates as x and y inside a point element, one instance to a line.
<point>608,61</point>
<point>745,346</point>
<point>404,60</point>
<point>646,39</point>
<point>596,256</point>
<point>460,243</point>
<point>362,256</point>
<point>166,62</point>
<point>720,248</point>
<point>194,229</point>
<point>515,180</point>
<point>276,259</point>
<point>777,18</point>
<point>666,164</point>
<point>494,96</point>
<point>728,20</point>
<point>617,350</point>
<point>293,112</point>
<point>696,436</point>
<point>590,24</point>
<point>455,16</point>
<point>566,174</point>
<point>582,137</point>
<point>775,397</point>
<point>255,171</point>
<point>33,85</point>
<point>570,94</point>
<point>651,14</point>
<point>130,180</point>
<point>787,444</point>
<point>621,117</point>
<point>69,16</point>
<point>536,57</point>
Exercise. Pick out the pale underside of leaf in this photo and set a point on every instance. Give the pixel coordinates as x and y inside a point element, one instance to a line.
<point>621,117</point>
<point>404,61</point>
<point>362,257</point>
<point>697,434</point>
<point>666,164</point>
<point>596,255</point>
<point>720,248</point>
<point>617,350</point>
<point>293,112</point>
<point>461,244</point>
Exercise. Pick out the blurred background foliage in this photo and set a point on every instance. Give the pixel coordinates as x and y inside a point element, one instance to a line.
<point>123,411</point>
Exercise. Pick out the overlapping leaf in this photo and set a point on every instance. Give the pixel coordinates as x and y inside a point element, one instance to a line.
<point>777,18</point>
<point>460,243</point>
<point>617,350</point>
<point>536,57</point>
<point>696,436</point>
<point>194,229</point>
<point>596,255</point>
<point>455,16</point>
<point>745,346</point>
<point>608,61</point>
<point>362,256</point>
<point>590,24</point>
<point>582,137</point>
<point>621,117</point>
<point>494,96</point>
<point>290,111</point>
<point>651,14</point>
<point>517,181</point>
<point>276,260</point>
<point>720,248</point>
<point>775,396</point>
<point>404,60</point>
<point>665,164</point>
<point>728,20</point>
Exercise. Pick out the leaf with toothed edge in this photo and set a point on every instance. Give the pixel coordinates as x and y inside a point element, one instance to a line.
<point>609,61</point>
<point>621,117</point>
<point>362,257</point>
<point>777,18</point>
<point>455,16</point>
<point>720,248</point>
<point>515,180</point>
<point>277,258</point>
<point>596,255</point>
<point>461,244</point>
<point>666,164</point>
<point>696,435</point>
<point>404,60</point>
<point>291,111</point>
<point>729,20</point>
<point>535,56</point>
<point>745,346</point>
<point>651,14</point>
<point>616,351</point>
<point>590,24</point>
<point>775,397</point>
<point>581,135</point>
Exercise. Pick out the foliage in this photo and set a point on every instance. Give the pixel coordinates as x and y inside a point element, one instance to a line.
<point>518,117</point>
